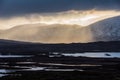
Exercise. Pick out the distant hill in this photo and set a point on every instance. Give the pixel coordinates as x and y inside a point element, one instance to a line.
<point>11,42</point>
<point>12,47</point>
<point>47,33</point>
<point>106,30</point>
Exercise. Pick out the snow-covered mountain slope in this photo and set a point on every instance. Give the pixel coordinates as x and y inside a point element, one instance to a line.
<point>106,30</point>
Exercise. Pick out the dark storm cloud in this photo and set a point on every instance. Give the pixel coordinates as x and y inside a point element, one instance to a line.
<point>1,3</point>
<point>20,7</point>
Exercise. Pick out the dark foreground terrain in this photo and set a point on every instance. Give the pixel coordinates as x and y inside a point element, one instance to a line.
<point>46,62</point>
<point>45,67</point>
<point>8,46</point>
<point>64,76</point>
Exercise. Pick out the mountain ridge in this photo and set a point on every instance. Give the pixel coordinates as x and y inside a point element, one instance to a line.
<point>16,47</point>
<point>106,30</point>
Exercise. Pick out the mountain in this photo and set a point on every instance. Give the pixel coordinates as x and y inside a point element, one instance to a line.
<point>47,33</point>
<point>105,30</point>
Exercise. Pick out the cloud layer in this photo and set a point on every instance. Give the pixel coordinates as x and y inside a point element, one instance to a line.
<point>22,7</point>
<point>72,17</point>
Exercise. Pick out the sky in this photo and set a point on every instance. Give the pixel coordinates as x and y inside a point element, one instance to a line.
<point>20,12</point>
<point>17,14</point>
<point>10,8</point>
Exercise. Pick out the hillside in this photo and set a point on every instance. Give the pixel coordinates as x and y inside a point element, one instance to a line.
<point>7,46</point>
<point>106,30</point>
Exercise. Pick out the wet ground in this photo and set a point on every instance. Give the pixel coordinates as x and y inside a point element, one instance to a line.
<point>52,66</point>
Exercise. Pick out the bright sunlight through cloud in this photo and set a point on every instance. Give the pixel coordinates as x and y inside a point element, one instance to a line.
<point>72,17</point>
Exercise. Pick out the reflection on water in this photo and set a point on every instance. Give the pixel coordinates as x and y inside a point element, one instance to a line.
<point>35,68</point>
<point>13,56</point>
<point>63,70</point>
<point>27,63</point>
<point>97,55</point>
<point>55,54</point>
<point>3,72</point>
<point>1,75</point>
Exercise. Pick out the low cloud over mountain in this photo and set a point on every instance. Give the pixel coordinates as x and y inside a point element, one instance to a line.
<point>106,30</point>
<point>48,33</point>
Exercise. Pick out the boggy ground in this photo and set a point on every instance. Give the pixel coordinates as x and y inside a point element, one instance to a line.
<point>41,75</point>
<point>83,68</point>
